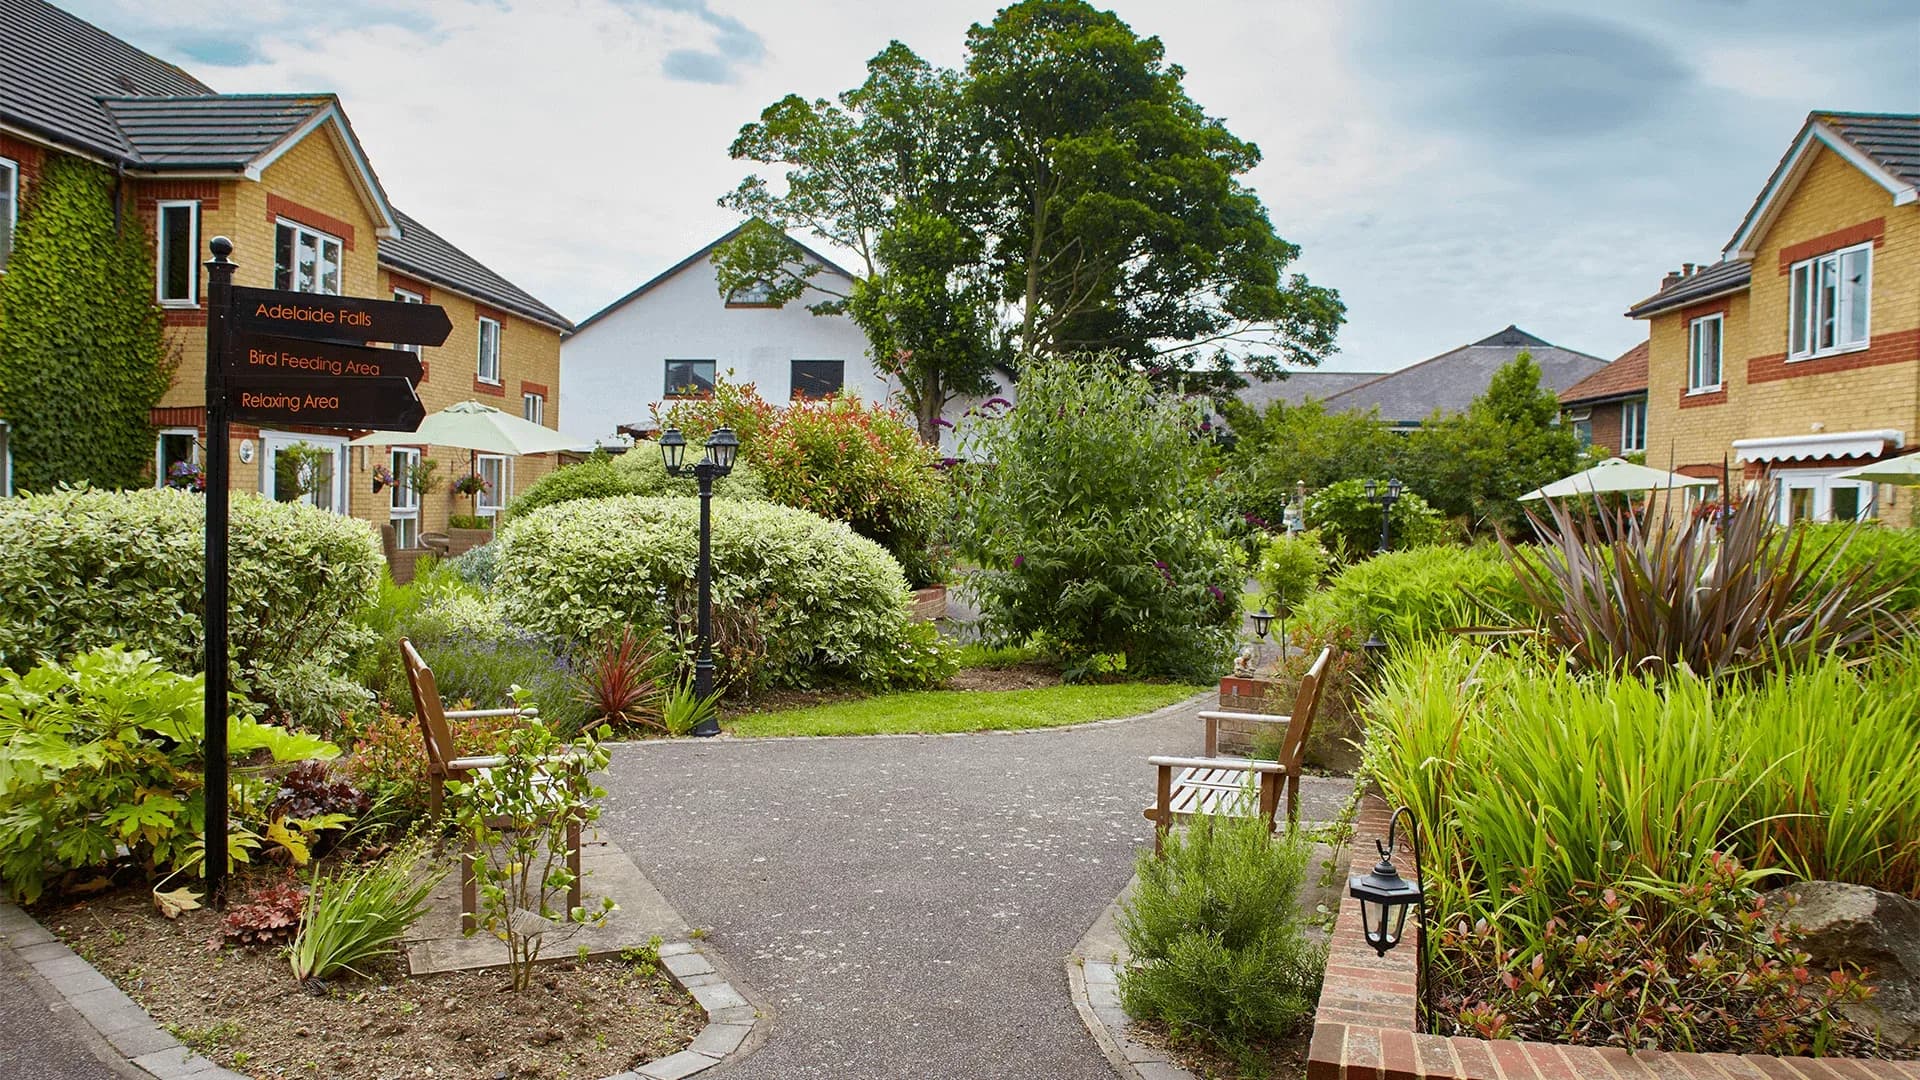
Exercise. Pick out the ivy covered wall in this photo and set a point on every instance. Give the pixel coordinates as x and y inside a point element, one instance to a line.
<point>82,362</point>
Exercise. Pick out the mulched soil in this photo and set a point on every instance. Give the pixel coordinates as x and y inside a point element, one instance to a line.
<point>1283,1058</point>
<point>1017,677</point>
<point>242,1008</point>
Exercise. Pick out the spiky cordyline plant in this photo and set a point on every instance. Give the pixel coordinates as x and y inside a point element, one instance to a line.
<point>1720,594</point>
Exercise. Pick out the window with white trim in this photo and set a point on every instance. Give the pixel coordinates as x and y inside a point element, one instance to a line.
<point>1633,426</point>
<point>404,509</point>
<point>305,260</point>
<point>1582,426</point>
<point>404,296</point>
<point>176,247</point>
<point>497,471</point>
<point>9,206</point>
<point>176,446</point>
<point>534,407</point>
<point>489,365</point>
<point>1828,312</point>
<point>1704,336</point>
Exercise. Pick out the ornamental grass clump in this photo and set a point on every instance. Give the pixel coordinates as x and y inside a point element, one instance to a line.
<point>354,917</point>
<point>1218,942</point>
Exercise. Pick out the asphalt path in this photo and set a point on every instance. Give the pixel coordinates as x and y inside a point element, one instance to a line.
<point>42,1044</point>
<point>903,905</point>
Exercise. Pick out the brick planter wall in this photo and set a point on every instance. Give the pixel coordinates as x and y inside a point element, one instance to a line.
<point>1367,1025</point>
<point>1240,693</point>
<point>930,603</point>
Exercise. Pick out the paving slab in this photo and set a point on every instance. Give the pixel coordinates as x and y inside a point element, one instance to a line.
<point>903,905</point>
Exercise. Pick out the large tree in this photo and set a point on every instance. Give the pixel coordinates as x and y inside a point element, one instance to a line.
<point>890,172</point>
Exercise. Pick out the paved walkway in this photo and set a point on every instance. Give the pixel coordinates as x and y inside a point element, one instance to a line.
<point>42,1043</point>
<point>903,904</point>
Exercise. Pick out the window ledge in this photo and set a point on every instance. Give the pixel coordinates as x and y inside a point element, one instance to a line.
<point>180,305</point>
<point>1841,351</point>
<point>1702,391</point>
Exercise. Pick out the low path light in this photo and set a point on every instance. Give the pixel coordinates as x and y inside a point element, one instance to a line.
<point>1386,898</point>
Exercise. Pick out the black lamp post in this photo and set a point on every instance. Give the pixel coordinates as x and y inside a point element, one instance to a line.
<point>1386,499</point>
<point>1386,897</point>
<point>722,447</point>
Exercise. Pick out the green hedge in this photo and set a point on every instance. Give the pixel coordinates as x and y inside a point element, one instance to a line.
<point>799,599</point>
<point>636,472</point>
<point>1891,558</point>
<point>1416,593</point>
<point>81,568</point>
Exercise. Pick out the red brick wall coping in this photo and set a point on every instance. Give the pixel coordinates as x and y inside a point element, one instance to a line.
<point>1366,1026</point>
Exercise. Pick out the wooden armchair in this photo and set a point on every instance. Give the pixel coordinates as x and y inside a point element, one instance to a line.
<point>1211,784</point>
<point>443,765</point>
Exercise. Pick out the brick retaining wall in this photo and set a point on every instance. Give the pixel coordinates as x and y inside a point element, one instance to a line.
<point>1367,1025</point>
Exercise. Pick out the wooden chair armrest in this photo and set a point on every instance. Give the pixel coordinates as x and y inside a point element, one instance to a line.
<point>1248,764</point>
<point>1255,717</point>
<point>468,764</point>
<point>474,714</point>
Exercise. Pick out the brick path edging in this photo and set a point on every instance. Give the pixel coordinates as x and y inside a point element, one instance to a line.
<point>137,1037</point>
<point>1366,1027</point>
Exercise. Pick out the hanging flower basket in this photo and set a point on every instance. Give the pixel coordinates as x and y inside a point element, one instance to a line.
<point>472,484</point>
<point>382,476</point>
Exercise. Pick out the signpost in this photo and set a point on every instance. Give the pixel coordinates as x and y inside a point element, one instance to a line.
<point>288,358</point>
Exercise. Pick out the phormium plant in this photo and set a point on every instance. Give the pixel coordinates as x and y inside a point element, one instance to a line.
<point>618,683</point>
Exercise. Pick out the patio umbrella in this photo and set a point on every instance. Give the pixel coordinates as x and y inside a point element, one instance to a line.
<point>1901,470</point>
<point>470,425</point>
<point>1611,475</point>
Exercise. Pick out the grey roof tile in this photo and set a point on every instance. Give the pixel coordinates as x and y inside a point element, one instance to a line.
<point>54,68</point>
<point>1449,382</point>
<point>1301,386</point>
<point>1892,140</point>
<point>219,132</point>
<point>420,252</point>
<point>1727,275</point>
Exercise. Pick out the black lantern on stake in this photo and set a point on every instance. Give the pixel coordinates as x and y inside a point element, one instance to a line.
<point>1386,897</point>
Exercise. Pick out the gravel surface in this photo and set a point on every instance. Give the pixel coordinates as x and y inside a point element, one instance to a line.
<point>903,904</point>
<point>40,1043</point>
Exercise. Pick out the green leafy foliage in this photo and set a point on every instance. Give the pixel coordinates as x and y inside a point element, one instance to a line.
<point>1289,445</point>
<point>355,916</point>
<point>1476,464</point>
<point>1888,560</point>
<point>1095,527</point>
<point>389,758</point>
<point>517,816</point>
<point>636,472</point>
<point>1219,944</point>
<point>1418,593</point>
<point>682,710</point>
<point>810,600</point>
<point>1349,523</point>
<point>619,682</point>
<point>102,761</point>
<point>80,568</point>
<point>1289,570</point>
<point>270,915</point>
<point>82,362</point>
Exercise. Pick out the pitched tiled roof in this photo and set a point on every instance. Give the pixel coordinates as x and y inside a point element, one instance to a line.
<point>226,131</point>
<point>1301,386</point>
<point>1892,140</point>
<point>420,252</point>
<point>1885,146</point>
<point>648,285</point>
<point>1449,382</point>
<point>1725,276</point>
<point>54,68</point>
<point>1625,377</point>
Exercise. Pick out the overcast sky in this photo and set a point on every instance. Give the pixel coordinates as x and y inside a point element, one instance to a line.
<point>1449,167</point>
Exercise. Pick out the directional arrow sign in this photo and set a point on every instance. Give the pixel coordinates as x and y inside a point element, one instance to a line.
<point>313,317</point>
<point>383,403</point>
<point>256,354</point>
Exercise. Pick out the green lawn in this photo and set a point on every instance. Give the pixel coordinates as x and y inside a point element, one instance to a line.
<point>929,712</point>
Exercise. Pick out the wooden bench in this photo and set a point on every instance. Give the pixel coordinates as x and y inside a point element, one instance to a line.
<point>443,766</point>
<point>1237,786</point>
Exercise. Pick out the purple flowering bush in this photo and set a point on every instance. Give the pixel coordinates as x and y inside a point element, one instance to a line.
<point>1096,528</point>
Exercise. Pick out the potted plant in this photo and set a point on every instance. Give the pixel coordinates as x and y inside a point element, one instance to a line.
<point>382,476</point>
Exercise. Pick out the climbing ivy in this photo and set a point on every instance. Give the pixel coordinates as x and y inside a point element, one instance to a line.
<point>82,363</point>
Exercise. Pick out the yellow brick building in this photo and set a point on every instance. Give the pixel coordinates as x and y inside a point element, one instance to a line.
<point>1796,358</point>
<point>285,178</point>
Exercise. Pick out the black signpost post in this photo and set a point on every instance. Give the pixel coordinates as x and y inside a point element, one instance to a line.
<point>288,358</point>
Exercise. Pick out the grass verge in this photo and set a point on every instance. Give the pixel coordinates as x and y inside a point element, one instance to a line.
<point>933,712</point>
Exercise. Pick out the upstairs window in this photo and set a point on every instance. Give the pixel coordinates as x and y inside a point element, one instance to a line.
<point>758,294</point>
<point>489,363</point>
<point>533,407</point>
<point>9,206</point>
<point>689,379</point>
<point>1633,427</point>
<point>817,378</point>
<point>403,296</point>
<point>1703,354</point>
<point>1582,424</point>
<point>176,248</point>
<point>305,260</point>
<point>1829,303</point>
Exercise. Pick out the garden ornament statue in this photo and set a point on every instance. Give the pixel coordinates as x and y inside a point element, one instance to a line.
<point>722,446</point>
<point>1386,897</point>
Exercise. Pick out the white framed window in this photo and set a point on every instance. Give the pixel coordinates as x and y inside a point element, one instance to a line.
<point>1829,309</point>
<point>533,407</point>
<point>305,260</point>
<point>172,447</point>
<point>1704,337</point>
<point>9,206</point>
<point>1633,426</point>
<point>497,471</point>
<point>405,296</point>
<point>316,474</point>
<point>489,363</point>
<point>1582,425</point>
<point>1820,495</point>
<point>404,506</point>
<point>176,248</point>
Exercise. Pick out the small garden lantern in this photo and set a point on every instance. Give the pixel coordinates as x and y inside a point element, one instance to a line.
<point>1386,897</point>
<point>722,447</point>
<point>1261,620</point>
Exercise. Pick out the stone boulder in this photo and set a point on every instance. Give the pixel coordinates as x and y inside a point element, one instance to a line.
<point>1859,927</point>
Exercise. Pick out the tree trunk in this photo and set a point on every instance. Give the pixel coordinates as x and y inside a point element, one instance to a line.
<point>1033,255</point>
<point>926,408</point>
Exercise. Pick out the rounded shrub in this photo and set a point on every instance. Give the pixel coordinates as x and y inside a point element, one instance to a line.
<point>82,568</point>
<point>636,472</point>
<point>1417,593</point>
<point>797,598</point>
<point>1349,522</point>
